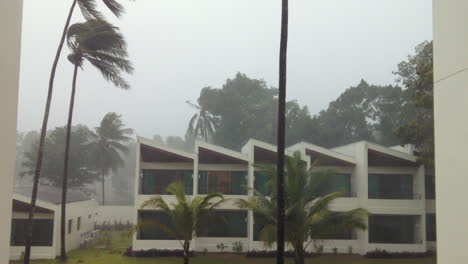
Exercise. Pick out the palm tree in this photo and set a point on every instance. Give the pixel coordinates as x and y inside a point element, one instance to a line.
<point>307,216</point>
<point>188,215</point>
<point>88,9</point>
<point>102,45</point>
<point>281,130</point>
<point>109,146</point>
<point>202,123</point>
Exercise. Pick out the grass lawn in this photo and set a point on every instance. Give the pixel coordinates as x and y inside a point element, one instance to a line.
<point>113,255</point>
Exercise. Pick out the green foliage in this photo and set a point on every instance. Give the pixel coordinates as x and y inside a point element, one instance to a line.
<point>307,216</point>
<point>188,215</point>
<point>221,246</point>
<point>80,168</point>
<point>238,247</point>
<point>416,75</point>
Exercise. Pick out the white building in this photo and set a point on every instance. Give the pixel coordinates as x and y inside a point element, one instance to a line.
<point>387,182</point>
<point>81,215</point>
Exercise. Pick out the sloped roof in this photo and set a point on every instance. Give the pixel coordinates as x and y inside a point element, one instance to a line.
<point>52,194</point>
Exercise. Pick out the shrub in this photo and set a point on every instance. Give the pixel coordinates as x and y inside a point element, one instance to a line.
<point>272,254</point>
<point>156,253</point>
<point>383,254</point>
<point>350,250</point>
<point>221,247</point>
<point>335,250</point>
<point>237,247</point>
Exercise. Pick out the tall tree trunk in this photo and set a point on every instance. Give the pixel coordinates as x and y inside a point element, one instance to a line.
<point>281,131</point>
<point>186,252</point>
<point>299,254</point>
<point>40,152</point>
<point>103,179</point>
<point>63,252</point>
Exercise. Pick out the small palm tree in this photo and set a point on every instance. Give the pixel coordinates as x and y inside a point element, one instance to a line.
<point>188,216</point>
<point>102,45</point>
<point>88,9</point>
<point>202,123</point>
<point>307,217</point>
<point>108,146</point>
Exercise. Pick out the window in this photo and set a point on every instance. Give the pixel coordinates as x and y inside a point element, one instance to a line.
<point>430,186</point>
<point>157,181</point>
<point>226,223</point>
<point>336,182</point>
<point>392,229</point>
<point>431,234</point>
<point>391,186</point>
<point>42,232</point>
<point>259,223</point>
<point>150,225</point>
<point>78,224</point>
<point>334,233</point>
<point>261,183</point>
<point>226,182</point>
<point>70,225</point>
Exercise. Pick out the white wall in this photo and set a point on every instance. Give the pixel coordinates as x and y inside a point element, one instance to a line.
<point>451,128</point>
<point>10,29</point>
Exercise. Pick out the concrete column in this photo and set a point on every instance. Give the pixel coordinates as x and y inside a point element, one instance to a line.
<point>10,46</point>
<point>451,128</point>
<point>250,184</point>
<point>136,188</point>
<point>361,189</point>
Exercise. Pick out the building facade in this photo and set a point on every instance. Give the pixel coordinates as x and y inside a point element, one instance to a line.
<point>388,182</point>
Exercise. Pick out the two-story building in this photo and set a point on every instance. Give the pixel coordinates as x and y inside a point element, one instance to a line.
<point>388,182</point>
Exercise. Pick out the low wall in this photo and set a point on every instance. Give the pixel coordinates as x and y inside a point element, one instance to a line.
<point>113,214</point>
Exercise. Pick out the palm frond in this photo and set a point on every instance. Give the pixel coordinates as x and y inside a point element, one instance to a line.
<point>116,8</point>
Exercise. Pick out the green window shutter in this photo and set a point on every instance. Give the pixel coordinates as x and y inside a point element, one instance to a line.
<point>148,182</point>
<point>238,183</point>
<point>202,182</point>
<point>373,186</point>
<point>187,179</point>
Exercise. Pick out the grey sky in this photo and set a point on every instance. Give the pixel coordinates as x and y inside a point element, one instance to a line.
<point>181,46</point>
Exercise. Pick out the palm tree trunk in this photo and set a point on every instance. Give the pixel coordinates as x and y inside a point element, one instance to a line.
<point>299,254</point>
<point>103,179</point>
<point>186,253</point>
<point>63,252</point>
<point>281,130</point>
<point>40,152</point>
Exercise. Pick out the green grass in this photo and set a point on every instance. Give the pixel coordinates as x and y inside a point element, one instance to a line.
<point>119,241</point>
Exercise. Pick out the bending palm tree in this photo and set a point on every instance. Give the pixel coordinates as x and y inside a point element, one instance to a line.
<point>307,217</point>
<point>187,215</point>
<point>281,130</point>
<point>88,9</point>
<point>109,147</point>
<point>202,123</point>
<point>102,45</point>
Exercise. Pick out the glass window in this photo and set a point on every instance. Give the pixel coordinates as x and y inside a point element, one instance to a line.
<point>42,232</point>
<point>152,224</point>
<point>392,229</point>
<point>226,223</point>
<point>226,182</point>
<point>430,186</point>
<point>157,181</point>
<point>259,223</point>
<point>431,234</point>
<point>261,183</point>
<point>78,224</point>
<point>337,182</point>
<point>70,226</point>
<point>391,186</point>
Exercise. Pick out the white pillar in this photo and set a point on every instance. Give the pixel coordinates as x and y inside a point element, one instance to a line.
<point>10,46</point>
<point>361,189</point>
<point>451,128</point>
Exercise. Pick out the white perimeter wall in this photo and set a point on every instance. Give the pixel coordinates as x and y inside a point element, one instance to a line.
<point>451,128</point>
<point>10,45</point>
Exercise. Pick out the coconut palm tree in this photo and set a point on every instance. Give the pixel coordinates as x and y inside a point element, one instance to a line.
<point>104,47</point>
<point>307,217</point>
<point>88,9</point>
<point>109,146</point>
<point>202,123</point>
<point>188,215</point>
<point>281,133</point>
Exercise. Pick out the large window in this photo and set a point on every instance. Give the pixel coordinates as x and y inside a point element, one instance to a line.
<point>392,229</point>
<point>259,223</point>
<point>431,234</point>
<point>430,186</point>
<point>226,182</point>
<point>157,181</point>
<point>152,224</point>
<point>226,223</point>
<point>335,183</point>
<point>261,183</point>
<point>43,230</point>
<point>391,186</point>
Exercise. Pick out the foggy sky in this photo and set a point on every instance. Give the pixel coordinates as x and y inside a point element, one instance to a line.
<point>181,46</point>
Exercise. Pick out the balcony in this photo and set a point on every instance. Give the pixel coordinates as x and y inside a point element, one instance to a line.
<point>392,187</point>
<point>225,182</point>
<point>156,181</point>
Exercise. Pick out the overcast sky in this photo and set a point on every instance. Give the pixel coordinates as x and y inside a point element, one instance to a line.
<point>181,46</point>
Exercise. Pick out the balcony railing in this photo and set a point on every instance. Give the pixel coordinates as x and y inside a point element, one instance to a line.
<point>395,196</point>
